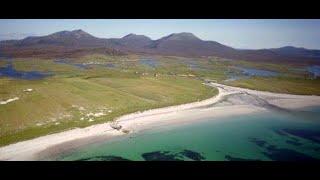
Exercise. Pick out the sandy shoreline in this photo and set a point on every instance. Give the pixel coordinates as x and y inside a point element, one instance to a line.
<point>229,101</point>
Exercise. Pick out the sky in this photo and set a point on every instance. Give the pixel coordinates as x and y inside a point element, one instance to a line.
<point>237,33</point>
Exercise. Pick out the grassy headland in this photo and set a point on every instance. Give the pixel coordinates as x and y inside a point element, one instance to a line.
<point>75,97</point>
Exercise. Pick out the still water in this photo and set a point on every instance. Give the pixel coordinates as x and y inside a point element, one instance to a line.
<point>314,70</point>
<point>10,71</point>
<point>257,72</point>
<point>149,62</point>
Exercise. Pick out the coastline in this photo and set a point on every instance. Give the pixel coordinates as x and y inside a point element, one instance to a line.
<point>135,122</point>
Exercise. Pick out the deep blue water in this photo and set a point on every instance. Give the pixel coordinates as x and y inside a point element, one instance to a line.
<point>9,71</point>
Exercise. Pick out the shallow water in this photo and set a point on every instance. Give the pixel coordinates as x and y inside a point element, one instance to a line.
<point>195,65</point>
<point>314,70</point>
<point>110,65</point>
<point>9,71</point>
<point>257,72</point>
<point>5,57</point>
<point>275,135</point>
<point>149,62</point>
<point>246,73</point>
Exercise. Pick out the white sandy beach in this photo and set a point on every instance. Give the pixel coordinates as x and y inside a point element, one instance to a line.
<point>243,101</point>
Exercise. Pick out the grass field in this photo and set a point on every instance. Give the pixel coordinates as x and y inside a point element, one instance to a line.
<point>78,98</point>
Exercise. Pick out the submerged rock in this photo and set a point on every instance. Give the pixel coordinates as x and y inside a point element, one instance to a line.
<point>160,156</point>
<point>192,155</point>
<point>126,131</point>
<point>232,158</point>
<point>104,158</point>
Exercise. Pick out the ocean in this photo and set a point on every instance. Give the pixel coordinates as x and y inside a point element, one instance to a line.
<point>268,136</point>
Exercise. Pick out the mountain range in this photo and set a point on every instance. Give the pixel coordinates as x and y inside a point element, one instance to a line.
<point>78,42</point>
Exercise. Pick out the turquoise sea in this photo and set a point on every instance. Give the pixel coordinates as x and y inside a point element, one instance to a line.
<point>268,136</point>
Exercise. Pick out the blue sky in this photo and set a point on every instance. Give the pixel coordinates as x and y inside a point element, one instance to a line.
<point>246,34</point>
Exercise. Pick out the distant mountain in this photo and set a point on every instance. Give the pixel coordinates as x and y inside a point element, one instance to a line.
<point>187,44</point>
<point>59,44</point>
<point>135,38</point>
<point>184,36</point>
<point>297,52</point>
<point>130,42</point>
<point>76,38</point>
<point>68,43</point>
